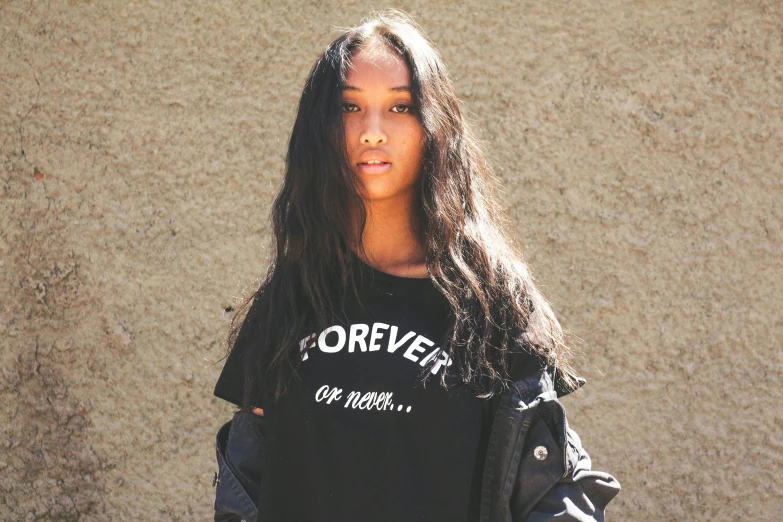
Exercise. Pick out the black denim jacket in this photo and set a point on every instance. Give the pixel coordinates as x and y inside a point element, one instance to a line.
<point>535,468</point>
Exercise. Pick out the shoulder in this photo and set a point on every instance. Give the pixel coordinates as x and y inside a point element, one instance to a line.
<point>523,364</point>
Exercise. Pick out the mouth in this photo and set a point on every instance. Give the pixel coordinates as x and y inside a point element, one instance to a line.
<point>374,168</point>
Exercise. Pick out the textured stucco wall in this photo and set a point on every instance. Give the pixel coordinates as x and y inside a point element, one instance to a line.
<point>639,144</point>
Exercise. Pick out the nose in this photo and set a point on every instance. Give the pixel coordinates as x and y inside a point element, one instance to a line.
<point>372,131</point>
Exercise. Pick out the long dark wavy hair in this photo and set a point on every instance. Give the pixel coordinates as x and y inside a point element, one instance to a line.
<point>318,218</point>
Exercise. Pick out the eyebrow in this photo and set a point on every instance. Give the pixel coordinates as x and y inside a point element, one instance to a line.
<point>393,89</point>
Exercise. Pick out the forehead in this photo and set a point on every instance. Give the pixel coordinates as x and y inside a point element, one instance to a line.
<point>377,66</point>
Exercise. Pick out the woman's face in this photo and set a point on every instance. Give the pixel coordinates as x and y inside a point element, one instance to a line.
<point>381,123</point>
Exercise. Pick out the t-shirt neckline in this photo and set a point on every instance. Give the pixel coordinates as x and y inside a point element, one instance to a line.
<point>391,278</point>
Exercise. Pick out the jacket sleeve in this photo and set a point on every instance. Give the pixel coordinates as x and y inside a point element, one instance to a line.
<point>240,447</point>
<point>556,481</point>
<point>581,495</point>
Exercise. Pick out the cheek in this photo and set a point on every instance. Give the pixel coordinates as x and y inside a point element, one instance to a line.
<point>416,145</point>
<point>413,137</point>
<point>349,131</point>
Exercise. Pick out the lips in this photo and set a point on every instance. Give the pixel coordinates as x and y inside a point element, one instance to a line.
<point>374,168</point>
<point>373,155</point>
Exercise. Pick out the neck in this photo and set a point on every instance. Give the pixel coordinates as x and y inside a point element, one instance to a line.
<point>392,237</point>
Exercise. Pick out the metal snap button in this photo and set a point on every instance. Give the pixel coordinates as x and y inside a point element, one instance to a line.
<point>540,452</point>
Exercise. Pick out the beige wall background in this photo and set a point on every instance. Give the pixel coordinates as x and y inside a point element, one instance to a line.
<point>141,145</point>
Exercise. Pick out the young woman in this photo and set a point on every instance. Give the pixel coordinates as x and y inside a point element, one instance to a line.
<point>395,317</point>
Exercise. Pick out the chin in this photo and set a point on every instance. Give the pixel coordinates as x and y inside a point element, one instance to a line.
<point>379,190</point>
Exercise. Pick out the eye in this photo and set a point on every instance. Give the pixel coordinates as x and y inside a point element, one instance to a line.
<point>347,106</point>
<point>407,108</point>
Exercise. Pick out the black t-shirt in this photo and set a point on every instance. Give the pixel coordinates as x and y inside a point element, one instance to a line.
<point>358,437</point>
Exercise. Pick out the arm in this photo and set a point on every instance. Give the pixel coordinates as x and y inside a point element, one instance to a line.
<point>580,495</point>
<point>557,482</point>
<point>239,446</point>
